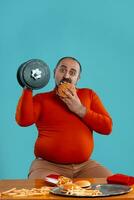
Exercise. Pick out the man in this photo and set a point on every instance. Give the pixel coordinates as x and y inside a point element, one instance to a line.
<point>65,125</point>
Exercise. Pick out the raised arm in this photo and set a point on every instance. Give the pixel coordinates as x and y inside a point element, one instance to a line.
<point>28,109</point>
<point>97,118</point>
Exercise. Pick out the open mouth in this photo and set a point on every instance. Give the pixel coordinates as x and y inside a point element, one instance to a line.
<point>65,80</point>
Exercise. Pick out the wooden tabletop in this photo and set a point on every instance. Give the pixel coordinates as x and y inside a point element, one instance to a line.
<point>28,184</point>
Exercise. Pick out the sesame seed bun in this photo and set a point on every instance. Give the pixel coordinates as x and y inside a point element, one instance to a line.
<point>83,183</point>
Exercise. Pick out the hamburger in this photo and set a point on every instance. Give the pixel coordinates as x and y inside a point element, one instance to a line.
<point>64,86</point>
<point>83,183</point>
<point>71,186</point>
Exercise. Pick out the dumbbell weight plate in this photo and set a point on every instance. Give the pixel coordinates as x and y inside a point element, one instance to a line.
<point>20,74</point>
<point>33,74</point>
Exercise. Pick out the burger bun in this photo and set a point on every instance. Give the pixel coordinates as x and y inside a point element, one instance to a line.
<point>69,186</point>
<point>64,86</point>
<point>83,183</point>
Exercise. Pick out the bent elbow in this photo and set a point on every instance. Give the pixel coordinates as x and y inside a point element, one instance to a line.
<point>109,130</point>
<point>109,127</point>
<point>24,123</point>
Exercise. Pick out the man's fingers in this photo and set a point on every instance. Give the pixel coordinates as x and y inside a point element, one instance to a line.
<point>72,90</point>
<point>66,100</point>
<point>68,94</point>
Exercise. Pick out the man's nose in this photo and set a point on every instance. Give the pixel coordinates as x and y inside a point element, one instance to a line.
<point>66,75</point>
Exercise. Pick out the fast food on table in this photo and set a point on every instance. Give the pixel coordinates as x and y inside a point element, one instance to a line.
<point>26,192</point>
<point>74,189</point>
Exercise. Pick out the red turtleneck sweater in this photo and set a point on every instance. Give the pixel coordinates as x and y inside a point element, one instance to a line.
<point>63,137</point>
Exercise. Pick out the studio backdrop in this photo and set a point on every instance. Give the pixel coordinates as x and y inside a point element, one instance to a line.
<point>100,34</point>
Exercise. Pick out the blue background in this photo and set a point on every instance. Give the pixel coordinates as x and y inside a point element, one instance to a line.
<point>100,34</point>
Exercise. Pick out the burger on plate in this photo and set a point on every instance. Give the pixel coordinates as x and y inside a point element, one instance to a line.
<point>71,186</point>
<point>83,183</point>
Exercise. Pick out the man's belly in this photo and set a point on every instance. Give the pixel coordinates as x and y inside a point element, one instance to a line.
<point>65,147</point>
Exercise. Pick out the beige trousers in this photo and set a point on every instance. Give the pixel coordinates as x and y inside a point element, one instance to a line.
<point>41,168</point>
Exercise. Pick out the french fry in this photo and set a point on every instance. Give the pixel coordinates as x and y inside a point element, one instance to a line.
<point>27,192</point>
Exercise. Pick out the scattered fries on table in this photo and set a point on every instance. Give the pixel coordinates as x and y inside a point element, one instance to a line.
<point>26,192</point>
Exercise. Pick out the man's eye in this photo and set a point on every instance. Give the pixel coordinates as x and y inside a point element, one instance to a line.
<point>72,73</point>
<point>62,70</point>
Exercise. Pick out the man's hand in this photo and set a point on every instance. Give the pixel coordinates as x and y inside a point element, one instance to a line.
<point>73,102</point>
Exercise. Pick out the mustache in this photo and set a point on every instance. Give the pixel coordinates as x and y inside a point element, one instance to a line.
<point>68,80</point>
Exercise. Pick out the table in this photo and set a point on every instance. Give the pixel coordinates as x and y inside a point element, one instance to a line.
<point>28,184</point>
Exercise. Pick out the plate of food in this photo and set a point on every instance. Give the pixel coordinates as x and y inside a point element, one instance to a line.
<point>94,190</point>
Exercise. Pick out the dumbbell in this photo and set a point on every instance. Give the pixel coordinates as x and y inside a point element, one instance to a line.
<point>33,74</point>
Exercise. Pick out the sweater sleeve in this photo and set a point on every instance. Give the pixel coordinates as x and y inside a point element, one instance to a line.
<point>28,109</point>
<point>97,118</point>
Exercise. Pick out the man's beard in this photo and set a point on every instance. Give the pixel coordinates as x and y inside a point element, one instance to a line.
<point>64,80</point>
<point>67,80</point>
